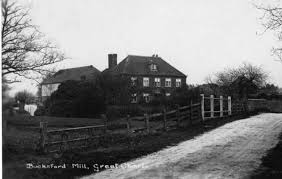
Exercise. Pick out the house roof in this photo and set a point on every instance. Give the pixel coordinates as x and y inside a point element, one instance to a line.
<point>86,72</point>
<point>139,65</point>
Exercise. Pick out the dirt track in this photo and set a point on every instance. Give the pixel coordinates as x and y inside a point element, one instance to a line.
<point>231,151</point>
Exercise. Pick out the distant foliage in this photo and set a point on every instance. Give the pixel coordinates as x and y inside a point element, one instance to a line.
<point>24,97</point>
<point>239,82</point>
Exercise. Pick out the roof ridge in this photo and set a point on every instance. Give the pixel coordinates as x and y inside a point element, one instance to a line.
<point>78,67</point>
<point>144,56</point>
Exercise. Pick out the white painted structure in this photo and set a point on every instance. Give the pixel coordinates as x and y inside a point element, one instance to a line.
<point>31,108</point>
<point>48,89</point>
<point>212,111</point>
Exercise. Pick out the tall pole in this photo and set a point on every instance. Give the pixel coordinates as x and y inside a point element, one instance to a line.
<point>212,105</point>
<point>203,106</point>
<point>229,105</point>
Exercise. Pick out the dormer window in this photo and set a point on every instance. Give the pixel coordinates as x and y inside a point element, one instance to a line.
<point>153,67</point>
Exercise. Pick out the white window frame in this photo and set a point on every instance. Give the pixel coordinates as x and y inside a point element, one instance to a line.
<point>153,67</point>
<point>178,82</point>
<point>146,96</point>
<point>146,81</point>
<point>168,82</point>
<point>134,98</point>
<point>158,82</point>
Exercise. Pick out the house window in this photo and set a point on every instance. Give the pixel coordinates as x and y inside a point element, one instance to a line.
<point>146,97</point>
<point>157,82</point>
<point>178,82</point>
<point>167,82</point>
<point>133,81</point>
<point>153,67</point>
<point>146,81</point>
<point>134,98</point>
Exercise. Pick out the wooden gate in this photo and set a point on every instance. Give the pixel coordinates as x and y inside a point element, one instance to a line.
<point>212,107</point>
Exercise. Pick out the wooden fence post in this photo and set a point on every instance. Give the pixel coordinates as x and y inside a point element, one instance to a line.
<point>43,136</point>
<point>203,106</point>
<point>221,105</point>
<point>4,125</point>
<point>147,123</point>
<point>229,105</point>
<point>178,115</point>
<point>191,111</point>
<point>164,117</point>
<point>64,138</point>
<point>128,120</point>
<point>212,105</point>
<point>105,120</point>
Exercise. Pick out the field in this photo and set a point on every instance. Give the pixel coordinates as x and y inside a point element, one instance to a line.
<point>54,122</point>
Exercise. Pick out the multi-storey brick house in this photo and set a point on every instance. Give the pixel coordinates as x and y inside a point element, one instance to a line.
<point>150,73</point>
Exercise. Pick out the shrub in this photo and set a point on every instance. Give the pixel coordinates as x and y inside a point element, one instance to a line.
<point>40,111</point>
<point>184,95</point>
<point>113,113</point>
<point>76,99</point>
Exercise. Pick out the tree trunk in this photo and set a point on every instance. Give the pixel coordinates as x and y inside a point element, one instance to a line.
<point>21,107</point>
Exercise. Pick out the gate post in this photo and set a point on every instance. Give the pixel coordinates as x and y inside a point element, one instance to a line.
<point>178,115</point>
<point>191,112</point>
<point>203,106</point>
<point>229,105</point>
<point>43,136</point>
<point>147,123</point>
<point>105,120</point>
<point>164,117</point>
<point>221,105</point>
<point>128,120</point>
<point>212,105</point>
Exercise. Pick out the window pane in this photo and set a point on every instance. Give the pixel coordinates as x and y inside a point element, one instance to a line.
<point>145,81</point>
<point>167,82</point>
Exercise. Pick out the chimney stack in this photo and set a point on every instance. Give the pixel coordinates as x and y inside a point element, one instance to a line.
<point>112,60</point>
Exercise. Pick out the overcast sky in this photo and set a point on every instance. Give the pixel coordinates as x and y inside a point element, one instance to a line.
<point>198,37</point>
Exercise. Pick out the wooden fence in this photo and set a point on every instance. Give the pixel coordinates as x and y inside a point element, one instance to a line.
<point>60,140</point>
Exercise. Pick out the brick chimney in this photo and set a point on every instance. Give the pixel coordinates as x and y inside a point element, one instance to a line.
<point>112,60</point>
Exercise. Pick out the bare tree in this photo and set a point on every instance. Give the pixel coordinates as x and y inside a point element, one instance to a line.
<point>245,79</point>
<point>272,20</point>
<point>24,48</point>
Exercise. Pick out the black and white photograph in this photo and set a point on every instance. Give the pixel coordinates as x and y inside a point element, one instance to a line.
<point>141,89</point>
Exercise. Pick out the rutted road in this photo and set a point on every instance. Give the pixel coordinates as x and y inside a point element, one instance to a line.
<point>231,151</point>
